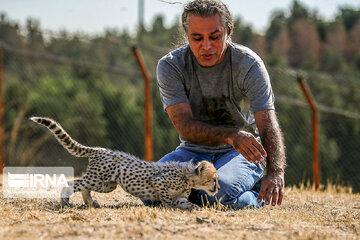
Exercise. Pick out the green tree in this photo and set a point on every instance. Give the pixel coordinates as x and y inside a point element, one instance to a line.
<point>35,40</point>
<point>242,33</point>
<point>348,16</point>
<point>298,11</point>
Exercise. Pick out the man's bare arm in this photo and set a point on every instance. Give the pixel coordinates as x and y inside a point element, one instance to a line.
<point>205,134</point>
<point>272,187</point>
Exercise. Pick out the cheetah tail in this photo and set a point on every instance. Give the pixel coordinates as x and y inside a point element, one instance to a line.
<point>63,137</point>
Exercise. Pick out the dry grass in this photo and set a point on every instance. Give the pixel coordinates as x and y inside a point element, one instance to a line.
<point>333,213</point>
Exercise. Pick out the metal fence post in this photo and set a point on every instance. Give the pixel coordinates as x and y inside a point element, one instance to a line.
<point>1,114</point>
<point>148,115</point>
<point>315,130</point>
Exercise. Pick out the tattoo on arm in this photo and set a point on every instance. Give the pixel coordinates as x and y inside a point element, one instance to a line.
<point>196,131</point>
<point>205,134</point>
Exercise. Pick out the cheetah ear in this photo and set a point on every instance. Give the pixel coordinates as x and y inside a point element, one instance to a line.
<point>200,168</point>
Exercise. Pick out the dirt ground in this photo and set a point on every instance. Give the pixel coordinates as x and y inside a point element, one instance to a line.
<point>333,213</point>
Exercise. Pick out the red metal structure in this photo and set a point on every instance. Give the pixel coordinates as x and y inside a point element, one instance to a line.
<point>315,130</point>
<point>148,113</point>
<point>1,114</point>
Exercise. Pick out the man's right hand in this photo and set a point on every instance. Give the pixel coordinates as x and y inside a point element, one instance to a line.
<point>246,144</point>
<point>201,133</point>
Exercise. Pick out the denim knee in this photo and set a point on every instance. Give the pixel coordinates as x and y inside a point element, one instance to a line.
<point>247,199</point>
<point>237,178</point>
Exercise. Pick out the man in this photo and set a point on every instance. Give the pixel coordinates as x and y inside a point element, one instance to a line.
<point>219,98</point>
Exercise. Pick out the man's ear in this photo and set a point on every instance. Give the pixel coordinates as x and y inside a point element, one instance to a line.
<point>228,33</point>
<point>200,168</point>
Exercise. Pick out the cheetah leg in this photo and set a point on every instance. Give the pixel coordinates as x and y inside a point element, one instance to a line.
<point>86,194</point>
<point>184,204</point>
<point>109,187</point>
<point>101,188</point>
<point>156,183</point>
<point>66,193</point>
<point>181,203</point>
<point>167,200</point>
<point>77,185</point>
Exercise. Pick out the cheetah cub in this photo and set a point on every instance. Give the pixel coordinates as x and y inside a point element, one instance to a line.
<point>169,183</point>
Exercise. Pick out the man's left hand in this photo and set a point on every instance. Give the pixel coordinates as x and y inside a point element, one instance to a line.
<point>272,188</point>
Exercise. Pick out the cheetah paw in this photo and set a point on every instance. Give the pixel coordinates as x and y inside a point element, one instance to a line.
<point>65,203</point>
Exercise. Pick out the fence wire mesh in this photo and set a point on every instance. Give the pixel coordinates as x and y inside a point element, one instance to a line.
<point>100,105</point>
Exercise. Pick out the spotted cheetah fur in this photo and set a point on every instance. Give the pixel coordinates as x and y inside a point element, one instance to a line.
<point>169,183</point>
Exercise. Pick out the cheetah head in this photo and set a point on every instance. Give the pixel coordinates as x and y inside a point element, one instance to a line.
<point>206,178</point>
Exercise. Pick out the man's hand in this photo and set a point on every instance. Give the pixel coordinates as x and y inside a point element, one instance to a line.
<point>202,133</point>
<point>246,144</point>
<point>209,135</point>
<point>272,188</point>
<point>272,185</point>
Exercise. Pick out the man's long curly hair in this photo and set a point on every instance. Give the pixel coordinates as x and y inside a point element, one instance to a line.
<point>208,8</point>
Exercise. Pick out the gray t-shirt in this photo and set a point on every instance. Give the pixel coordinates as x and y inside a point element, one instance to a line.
<point>226,94</point>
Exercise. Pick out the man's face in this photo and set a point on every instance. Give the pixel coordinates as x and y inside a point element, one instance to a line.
<point>207,39</point>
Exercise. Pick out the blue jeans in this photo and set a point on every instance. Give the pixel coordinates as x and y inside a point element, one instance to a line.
<point>237,177</point>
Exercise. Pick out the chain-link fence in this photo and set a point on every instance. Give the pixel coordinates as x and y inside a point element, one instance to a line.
<point>103,106</point>
<point>339,126</point>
